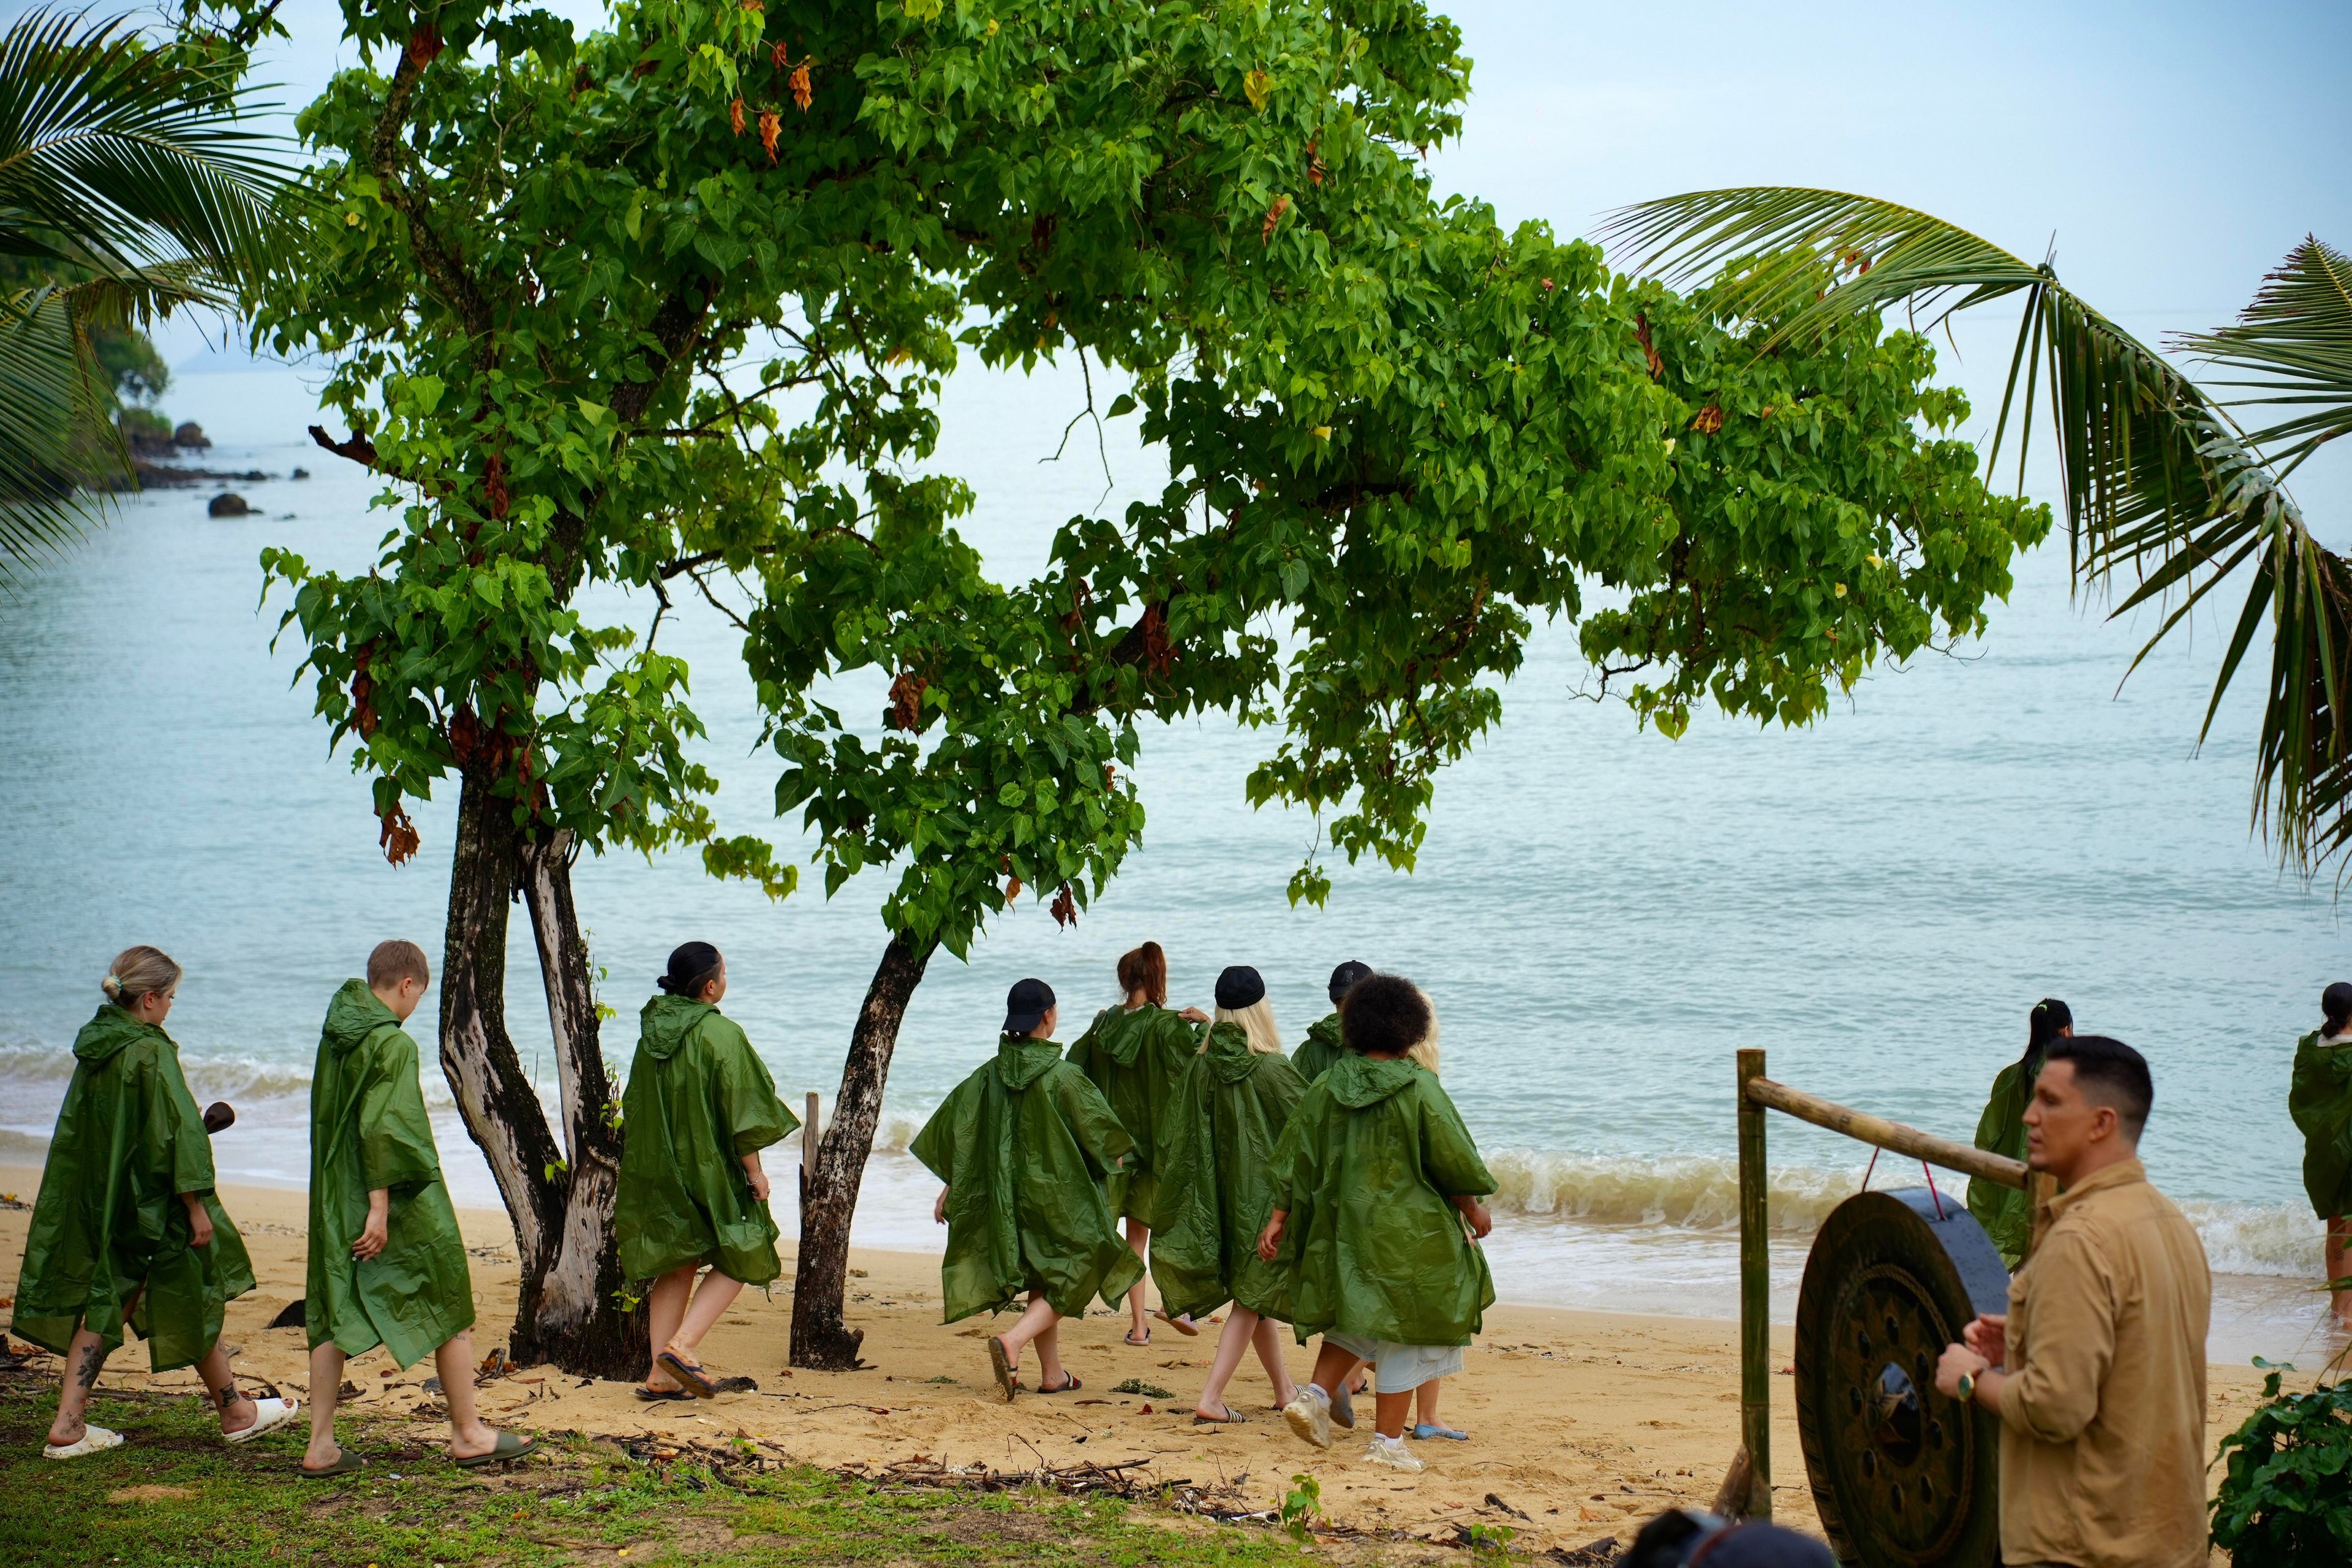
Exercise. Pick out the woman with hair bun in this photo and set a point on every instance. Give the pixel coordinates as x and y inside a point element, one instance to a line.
<point>700,1107</point>
<point>1134,1053</point>
<point>126,1229</point>
<point>2004,1211</point>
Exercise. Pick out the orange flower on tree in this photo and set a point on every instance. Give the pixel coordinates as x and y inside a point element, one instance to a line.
<point>771,124</point>
<point>735,116</point>
<point>801,91</point>
<point>1274,219</point>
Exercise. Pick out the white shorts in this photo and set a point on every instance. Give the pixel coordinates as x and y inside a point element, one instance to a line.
<point>1401,1368</point>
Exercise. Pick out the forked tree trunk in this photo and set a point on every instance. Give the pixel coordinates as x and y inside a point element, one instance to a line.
<point>820,1279</point>
<point>562,1211</point>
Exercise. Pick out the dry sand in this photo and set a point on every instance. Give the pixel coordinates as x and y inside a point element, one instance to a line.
<point>1586,1422</point>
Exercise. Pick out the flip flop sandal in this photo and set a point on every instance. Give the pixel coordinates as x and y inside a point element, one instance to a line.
<point>661,1395</point>
<point>509,1446</point>
<point>1070,1380</point>
<point>346,1463</point>
<point>1425,1431</point>
<point>1231,1418</point>
<point>1184,1325</point>
<point>1001,1365</point>
<point>1130,1338</point>
<point>267,1413</point>
<point>735,1385</point>
<point>93,1440</point>
<point>697,1381</point>
<point>1343,1407</point>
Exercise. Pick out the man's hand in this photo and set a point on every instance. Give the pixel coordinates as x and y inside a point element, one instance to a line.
<point>200,1223</point>
<point>756,1176</point>
<point>1193,1015</point>
<point>1988,1337</point>
<point>940,1208</point>
<point>1959,1360</point>
<point>376,1232</point>
<point>1269,1240</point>
<point>1481,1221</point>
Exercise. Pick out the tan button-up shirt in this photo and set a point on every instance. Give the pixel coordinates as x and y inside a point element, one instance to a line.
<point>2102,1418</point>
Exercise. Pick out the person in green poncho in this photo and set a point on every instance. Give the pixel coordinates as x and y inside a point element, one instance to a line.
<point>1226,1115</point>
<point>1024,1145</point>
<point>1323,1046</point>
<point>387,1264</point>
<point>2320,1100</point>
<point>127,1228</point>
<point>1134,1053</point>
<point>700,1108</point>
<point>2005,1212</point>
<point>1372,1186</point>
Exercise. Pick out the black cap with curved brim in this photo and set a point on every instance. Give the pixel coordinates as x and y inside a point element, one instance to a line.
<point>1239,987</point>
<point>1345,975</point>
<point>1026,1005</point>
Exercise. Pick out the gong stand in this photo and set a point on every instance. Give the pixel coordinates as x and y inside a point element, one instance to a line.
<point>1900,1476</point>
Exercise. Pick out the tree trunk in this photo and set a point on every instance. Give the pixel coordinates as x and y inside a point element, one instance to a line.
<point>562,1213</point>
<point>820,1281</point>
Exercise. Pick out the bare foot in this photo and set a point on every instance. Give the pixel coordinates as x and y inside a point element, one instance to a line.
<point>473,1444</point>
<point>243,1413</point>
<point>314,1457</point>
<point>67,1436</point>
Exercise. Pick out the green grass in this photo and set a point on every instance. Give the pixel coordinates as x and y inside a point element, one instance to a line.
<point>577,1501</point>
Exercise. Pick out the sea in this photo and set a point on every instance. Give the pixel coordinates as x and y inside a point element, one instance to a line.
<point>1602,916</point>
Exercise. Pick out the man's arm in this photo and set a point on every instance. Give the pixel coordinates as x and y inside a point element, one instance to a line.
<point>2055,1393</point>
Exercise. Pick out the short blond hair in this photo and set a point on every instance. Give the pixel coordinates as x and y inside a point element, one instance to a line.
<point>394,962</point>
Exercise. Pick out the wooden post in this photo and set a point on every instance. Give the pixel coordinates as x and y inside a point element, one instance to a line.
<point>2041,1186</point>
<point>1755,1298</point>
<point>808,1148</point>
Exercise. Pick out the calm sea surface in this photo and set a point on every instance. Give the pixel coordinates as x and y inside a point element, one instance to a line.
<point>1603,915</point>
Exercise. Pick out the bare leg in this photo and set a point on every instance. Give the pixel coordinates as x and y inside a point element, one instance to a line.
<point>1268,1339</point>
<point>1139,1237</point>
<point>1241,1328</point>
<point>716,1294</point>
<point>665,1310</point>
<point>455,1362</point>
<point>1050,1372</point>
<point>326,1388</point>
<point>2339,1266</point>
<point>237,1412</point>
<point>1389,1411</point>
<point>1424,1404</point>
<point>1333,1364</point>
<point>85,1359</point>
<point>1033,1324</point>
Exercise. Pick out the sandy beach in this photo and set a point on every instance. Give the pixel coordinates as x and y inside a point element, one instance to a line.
<point>1586,1423</point>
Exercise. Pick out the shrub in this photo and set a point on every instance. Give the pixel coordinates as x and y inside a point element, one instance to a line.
<point>2287,1500</point>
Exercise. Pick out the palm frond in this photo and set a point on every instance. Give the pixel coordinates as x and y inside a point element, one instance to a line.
<point>2295,343</point>
<point>2161,485</point>
<point>51,431</point>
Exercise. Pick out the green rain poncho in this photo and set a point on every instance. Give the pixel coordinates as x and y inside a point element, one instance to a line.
<point>1135,1059</point>
<point>1374,1248</point>
<point>2004,1211</point>
<point>1223,1123</point>
<point>1323,1048</point>
<point>109,1219</point>
<point>698,1100</point>
<point>368,1130</point>
<point>2320,1101</point>
<point>1024,1145</point>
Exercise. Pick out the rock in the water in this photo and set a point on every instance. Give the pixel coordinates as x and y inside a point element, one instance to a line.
<point>300,474</point>
<point>191,434</point>
<point>228,503</point>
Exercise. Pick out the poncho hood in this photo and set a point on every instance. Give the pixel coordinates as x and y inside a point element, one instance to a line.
<point>355,1013</point>
<point>664,1022</point>
<point>1021,1063</point>
<point>109,1034</point>
<point>1357,1081</point>
<point>1229,1058</point>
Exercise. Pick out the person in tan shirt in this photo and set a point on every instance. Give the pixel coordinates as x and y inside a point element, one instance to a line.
<point>2097,1371</point>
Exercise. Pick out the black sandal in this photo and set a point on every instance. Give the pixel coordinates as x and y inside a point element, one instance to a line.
<point>1070,1380</point>
<point>661,1395</point>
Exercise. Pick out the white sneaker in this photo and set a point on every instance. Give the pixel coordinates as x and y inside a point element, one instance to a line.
<point>1309,1416</point>
<point>93,1440</point>
<point>1392,1453</point>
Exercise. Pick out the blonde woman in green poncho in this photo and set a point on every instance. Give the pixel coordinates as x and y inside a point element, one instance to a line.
<point>2320,1100</point>
<point>1134,1053</point>
<point>1024,1145</point>
<point>2005,1212</point>
<point>1227,1113</point>
<point>126,1229</point>
<point>1323,1046</point>
<point>387,1264</point>
<point>1373,1185</point>
<point>700,1108</point>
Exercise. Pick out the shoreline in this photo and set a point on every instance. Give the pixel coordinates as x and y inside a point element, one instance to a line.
<point>1588,1422</point>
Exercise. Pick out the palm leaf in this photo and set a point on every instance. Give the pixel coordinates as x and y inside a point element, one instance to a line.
<point>51,431</point>
<point>2161,483</point>
<point>2295,343</point>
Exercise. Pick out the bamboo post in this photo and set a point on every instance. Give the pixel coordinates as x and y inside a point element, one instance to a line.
<point>1965,1158</point>
<point>808,1148</point>
<point>1754,1296</point>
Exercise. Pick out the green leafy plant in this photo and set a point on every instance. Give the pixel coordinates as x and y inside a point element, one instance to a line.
<point>1491,1540</point>
<point>2285,1499</point>
<point>1302,1504</point>
<point>1148,1390</point>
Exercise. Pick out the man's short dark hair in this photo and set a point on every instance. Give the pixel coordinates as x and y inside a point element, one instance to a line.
<point>2109,1073</point>
<point>1383,1014</point>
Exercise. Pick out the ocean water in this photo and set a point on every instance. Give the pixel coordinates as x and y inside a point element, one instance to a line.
<point>1602,916</point>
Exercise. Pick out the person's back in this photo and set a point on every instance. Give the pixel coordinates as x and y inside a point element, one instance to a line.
<point>2319,1097</point>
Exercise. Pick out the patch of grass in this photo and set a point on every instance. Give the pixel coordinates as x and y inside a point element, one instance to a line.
<point>1148,1390</point>
<point>175,1495</point>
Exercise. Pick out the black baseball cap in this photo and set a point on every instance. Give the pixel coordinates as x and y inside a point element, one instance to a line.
<point>1345,975</point>
<point>1240,986</point>
<point>1026,1005</point>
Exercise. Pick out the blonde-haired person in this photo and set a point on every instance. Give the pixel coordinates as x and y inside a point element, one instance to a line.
<point>1225,1117</point>
<point>127,1228</point>
<point>1134,1053</point>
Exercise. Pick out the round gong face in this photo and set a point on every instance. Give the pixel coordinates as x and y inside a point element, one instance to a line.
<point>1902,1476</point>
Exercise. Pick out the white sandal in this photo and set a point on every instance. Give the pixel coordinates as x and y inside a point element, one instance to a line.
<point>268,1415</point>
<point>93,1440</point>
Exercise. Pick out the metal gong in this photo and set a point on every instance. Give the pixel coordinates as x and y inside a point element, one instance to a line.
<point>1902,1477</point>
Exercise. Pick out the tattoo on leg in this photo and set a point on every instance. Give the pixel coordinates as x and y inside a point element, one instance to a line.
<point>226,1395</point>
<point>93,1357</point>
